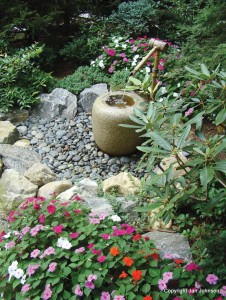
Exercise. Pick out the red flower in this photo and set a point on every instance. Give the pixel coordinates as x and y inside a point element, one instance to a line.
<point>137,237</point>
<point>114,251</point>
<point>58,229</point>
<point>137,274</point>
<point>41,219</point>
<point>155,256</point>
<point>146,238</point>
<point>123,275</point>
<point>147,298</point>
<point>77,198</point>
<point>178,261</point>
<point>1,235</point>
<point>51,209</point>
<point>67,215</point>
<point>128,261</point>
<point>192,266</point>
<point>74,235</point>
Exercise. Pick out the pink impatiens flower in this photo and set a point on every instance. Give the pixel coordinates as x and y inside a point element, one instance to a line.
<point>167,276</point>
<point>78,290</point>
<point>162,285</point>
<point>89,285</point>
<point>105,296</point>
<point>80,250</point>
<point>92,277</point>
<point>31,269</point>
<point>52,266</point>
<point>10,245</point>
<point>47,292</point>
<point>119,297</point>
<point>101,259</point>
<point>94,221</point>
<point>212,279</point>
<point>223,291</point>
<point>25,288</point>
<point>25,230</point>
<point>41,218</point>
<point>35,253</point>
<point>49,251</point>
<point>189,112</point>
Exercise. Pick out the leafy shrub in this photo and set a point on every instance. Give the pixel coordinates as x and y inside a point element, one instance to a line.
<point>21,80</point>
<point>135,17</point>
<point>58,250</point>
<point>118,80</point>
<point>82,78</point>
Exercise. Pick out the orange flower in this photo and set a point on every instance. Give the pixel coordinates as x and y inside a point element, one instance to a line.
<point>147,298</point>
<point>137,274</point>
<point>128,261</point>
<point>123,275</point>
<point>179,261</point>
<point>114,251</point>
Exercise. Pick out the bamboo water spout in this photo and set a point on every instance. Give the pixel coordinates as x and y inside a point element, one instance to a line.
<point>157,47</point>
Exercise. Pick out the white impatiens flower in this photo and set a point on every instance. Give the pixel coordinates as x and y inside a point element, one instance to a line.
<point>13,266</point>
<point>6,236</point>
<point>116,41</point>
<point>18,273</point>
<point>175,94</point>
<point>124,46</point>
<point>136,56</point>
<point>63,242</point>
<point>115,218</point>
<point>161,99</point>
<point>101,64</point>
<point>23,279</point>
<point>134,63</point>
<point>178,85</point>
<point>93,63</point>
<point>163,90</point>
<point>148,70</point>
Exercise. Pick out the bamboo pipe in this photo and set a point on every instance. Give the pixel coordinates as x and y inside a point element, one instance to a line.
<point>143,61</point>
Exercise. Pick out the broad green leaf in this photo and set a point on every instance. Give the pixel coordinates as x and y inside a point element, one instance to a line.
<point>146,288</point>
<point>136,120</point>
<point>184,136</point>
<point>160,141</point>
<point>205,70</point>
<point>220,166</point>
<point>206,175</point>
<point>135,81</point>
<point>148,207</point>
<point>129,126</point>
<point>190,70</point>
<point>221,117</point>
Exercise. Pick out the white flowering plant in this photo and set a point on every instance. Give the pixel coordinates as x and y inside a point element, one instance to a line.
<point>61,250</point>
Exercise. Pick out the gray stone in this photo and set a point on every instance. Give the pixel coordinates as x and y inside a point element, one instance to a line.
<point>40,174</point>
<point>173,243</point>
<point>22,143</point>
<point>88,187</point>
<point>59,103</point>
<point>89,95</point>
<point>97,204</point>
<point>22,130</point>
<point>8,133</point>
<point>15,116</point>
<point>18,158</point>
<point>68,194</point>
<point>14,189</point>
<point>60,133</point>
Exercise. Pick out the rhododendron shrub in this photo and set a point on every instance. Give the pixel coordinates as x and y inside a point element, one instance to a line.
<point>56,250</point>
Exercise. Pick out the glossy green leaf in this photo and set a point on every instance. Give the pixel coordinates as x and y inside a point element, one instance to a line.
<point>160,141</point>
<point>206,175</point>
<point>184,136</point>
<point>221,117</point>
<point>205,70</point>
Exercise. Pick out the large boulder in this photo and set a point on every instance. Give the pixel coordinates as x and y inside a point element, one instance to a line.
<point>123,183</point>
<point>54,188</point>
<point>8,133</point>
<point>14,189</point>
<point>18,158</point>
<point>58,104</point>
<point>98,205</point>
<point>89,95</point>
<point>171,243</point>
<point>40,174</point>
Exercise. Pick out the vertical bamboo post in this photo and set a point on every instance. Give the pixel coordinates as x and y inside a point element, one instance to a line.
<point>155,69</point>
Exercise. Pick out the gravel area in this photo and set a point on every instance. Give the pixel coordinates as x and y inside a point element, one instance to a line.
<point>69,149</point>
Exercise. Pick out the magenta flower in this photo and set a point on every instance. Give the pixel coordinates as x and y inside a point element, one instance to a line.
<point>47,292</point>
<point>52,267</point>
<point>192,93</point>
<point>10,217</point>
<point>90,246</point>
<point>105,296</point>
<point>78,290</point>
<point>101,259</point>
<point>25,288</point>
<point>192,266</point>
<point>94,251</point>
<point>58,229</point>
<point>223,291</point>
<point>41,218</point>
<point>31,269</point>
<point>89,285</point>
<point>162,285</point>
<point>80,250</point>
<point>35,253</point>
<point>10,245</point>
<point>74,235</point>
<point>51,209</point>
<point>177,298</point>
<point>212,279</point>
<point>110,52</point>
<point>49,251</point>
<point>105,236</point>
<point>125,59</point>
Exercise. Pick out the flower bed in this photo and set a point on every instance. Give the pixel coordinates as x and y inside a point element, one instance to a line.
<point>56,250</point>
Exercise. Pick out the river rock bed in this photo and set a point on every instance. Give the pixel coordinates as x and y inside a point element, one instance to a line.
<point>69,149</point>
